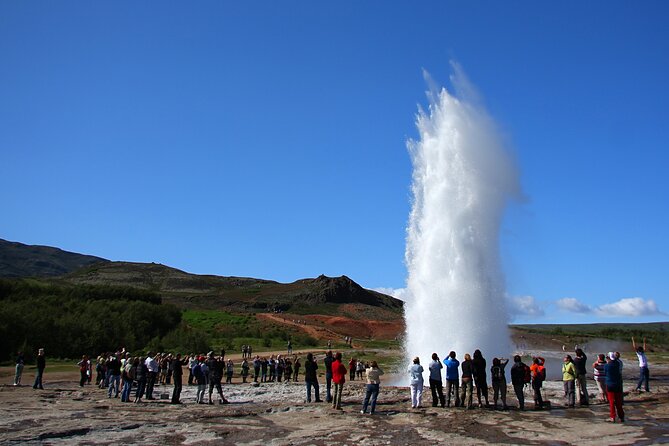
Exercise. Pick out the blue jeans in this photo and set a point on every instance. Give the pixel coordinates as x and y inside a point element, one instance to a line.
<point>316,390</point>
<point>127,388</point>
<point>644,375</point>
<point>38,379</point>
<point>328,387</point>
<point>373,392</point>
<point>141,386</point>
<point>114,381</point>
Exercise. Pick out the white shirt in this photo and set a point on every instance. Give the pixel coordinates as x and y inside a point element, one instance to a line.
<point>643,362</point>
<point>151,364</point>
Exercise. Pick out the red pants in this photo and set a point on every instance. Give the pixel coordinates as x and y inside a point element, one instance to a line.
<point>616,403</point>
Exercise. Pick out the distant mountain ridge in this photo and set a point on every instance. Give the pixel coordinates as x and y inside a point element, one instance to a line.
<point>190,290</point>
<point>239,293</point>
<point>19,260</point>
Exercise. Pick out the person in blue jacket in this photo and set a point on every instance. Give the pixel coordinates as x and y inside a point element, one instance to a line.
<point>452,379</point>
<point>614,388</point>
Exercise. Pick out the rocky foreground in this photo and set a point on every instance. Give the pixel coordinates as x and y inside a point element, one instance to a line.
<point>276,414</point>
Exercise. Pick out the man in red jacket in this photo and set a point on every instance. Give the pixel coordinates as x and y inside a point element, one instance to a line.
<point>339,378</point>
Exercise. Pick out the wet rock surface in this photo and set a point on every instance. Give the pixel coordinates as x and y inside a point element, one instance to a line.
<point>277,414</point>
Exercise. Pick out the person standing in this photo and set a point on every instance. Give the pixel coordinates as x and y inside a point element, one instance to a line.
<point>83,370</point>
<point>191,363</point>
<point>263,369</point>
<point>452,378</point>
<point>152,370</point>
<point>229,371</point>
<point>216,367</point>
<point>580,362</point>
<point>245,370</point>
<point>296,366</point>
<point>416,383</point>
<point>360,369</point>
<point>538,372</point>
<point>177,374</point>
<point>436,386</point>
<point>256,368</point>
<point>467,388</point>
<point>480,379</point>
<point>644,373</point>
<point>114,368</point>
<point>518,372</point>
<point>328,375</point>
<point>142,377</point>
<point>339,378</point>
<point>352,365</point>
<point>568,378</point>
<point>128,375</point>
<point>41,365</point>
<point>498,377</point>
<point>311,378</point>
<point>20,363</point>
<point>614,388</point>
<point>200,372</point>
<point>372,389</point>
<point>272,368</point>
<point>599,368</point>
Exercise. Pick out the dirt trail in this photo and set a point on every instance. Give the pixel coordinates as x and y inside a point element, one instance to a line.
<point>314,332</point>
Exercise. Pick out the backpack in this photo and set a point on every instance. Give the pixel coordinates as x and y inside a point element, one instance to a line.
<point>541,375</point>
<point>527,374</point>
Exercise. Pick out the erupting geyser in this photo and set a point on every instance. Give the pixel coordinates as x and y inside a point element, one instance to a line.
<point>462,180</point>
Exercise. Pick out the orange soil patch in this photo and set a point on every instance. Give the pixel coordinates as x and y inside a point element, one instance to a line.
<point>327,327</point>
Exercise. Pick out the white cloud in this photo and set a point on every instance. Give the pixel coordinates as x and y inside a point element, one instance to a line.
<point>573,305</point>
<point>524,306</point>
<point>398,293</point>
<point>632,306</point>
<point>629,307</point>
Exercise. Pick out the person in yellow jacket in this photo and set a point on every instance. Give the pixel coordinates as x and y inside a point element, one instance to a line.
<point>568,380</point>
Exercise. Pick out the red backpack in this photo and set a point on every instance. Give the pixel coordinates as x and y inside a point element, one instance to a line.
<point>527,374</point>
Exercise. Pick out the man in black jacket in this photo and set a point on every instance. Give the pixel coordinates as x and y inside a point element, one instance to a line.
<point>216,366</point>
<point>41,365</point>
<point>518,372</point>
<point>177,374</point>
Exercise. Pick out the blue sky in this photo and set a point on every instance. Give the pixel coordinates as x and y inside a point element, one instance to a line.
<point>268,139</point>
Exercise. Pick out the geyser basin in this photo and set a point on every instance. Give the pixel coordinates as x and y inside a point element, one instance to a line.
<point>463,178</point>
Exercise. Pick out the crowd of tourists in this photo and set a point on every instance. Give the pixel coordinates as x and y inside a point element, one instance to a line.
<point>135,377</point>
<point>462,378</point>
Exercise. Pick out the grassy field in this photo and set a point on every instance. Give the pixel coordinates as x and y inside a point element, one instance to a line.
<point>656,333</point>
<point>231,331</point>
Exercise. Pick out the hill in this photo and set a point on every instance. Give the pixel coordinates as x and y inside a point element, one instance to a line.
<point>192,291</point>
<point>19,260</point>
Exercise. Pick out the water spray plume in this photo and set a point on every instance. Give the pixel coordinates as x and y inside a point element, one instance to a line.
<point>463,178</point>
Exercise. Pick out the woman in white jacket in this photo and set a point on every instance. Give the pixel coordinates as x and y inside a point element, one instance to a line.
<point>416,372</point>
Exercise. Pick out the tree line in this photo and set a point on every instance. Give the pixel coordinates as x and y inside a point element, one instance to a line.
<point>71,320</point>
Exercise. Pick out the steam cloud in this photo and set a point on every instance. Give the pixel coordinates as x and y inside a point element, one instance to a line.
<point>462,180</point>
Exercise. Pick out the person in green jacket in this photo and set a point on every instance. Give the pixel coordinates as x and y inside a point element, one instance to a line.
<point>568,380</point>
